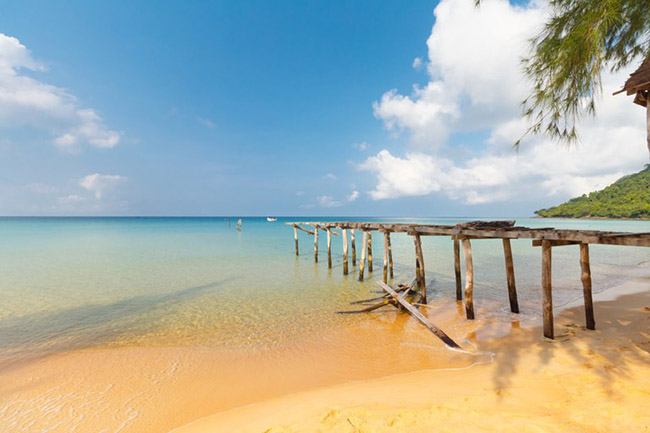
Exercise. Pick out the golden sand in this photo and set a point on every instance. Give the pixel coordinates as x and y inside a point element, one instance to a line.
<point>583,381</point>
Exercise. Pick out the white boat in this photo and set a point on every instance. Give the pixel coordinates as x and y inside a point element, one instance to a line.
<point>271,219</point>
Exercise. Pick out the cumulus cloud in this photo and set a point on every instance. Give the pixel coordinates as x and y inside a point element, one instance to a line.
<point>26,101</point>
<point>330,176</point>
<point>476,84</point>
<point>417,63</point>
<point>99,183</point>
<point>353,196</point>
<point>328,201</point>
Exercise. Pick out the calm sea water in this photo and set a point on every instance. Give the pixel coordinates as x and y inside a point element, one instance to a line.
<point>69,283</point>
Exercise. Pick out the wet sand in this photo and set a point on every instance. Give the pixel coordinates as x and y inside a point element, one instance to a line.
<point>596,381</point>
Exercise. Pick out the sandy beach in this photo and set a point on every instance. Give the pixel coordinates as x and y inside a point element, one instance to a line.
<point>597,381</point>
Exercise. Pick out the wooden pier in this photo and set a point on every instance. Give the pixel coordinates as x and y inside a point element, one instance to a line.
<point>463,234</point>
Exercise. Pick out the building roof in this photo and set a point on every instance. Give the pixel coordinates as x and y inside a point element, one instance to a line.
<point>638,83</point>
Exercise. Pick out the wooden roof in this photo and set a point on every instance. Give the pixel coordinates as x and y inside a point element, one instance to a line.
<point>638,83</point>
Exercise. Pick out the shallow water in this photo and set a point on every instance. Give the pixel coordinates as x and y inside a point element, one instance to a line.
<point>69,283</point>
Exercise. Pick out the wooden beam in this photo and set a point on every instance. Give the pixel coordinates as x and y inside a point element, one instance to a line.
<point>369,251</point>
<point>354,248</point>
<point>303,229</point>
<point>345,251</point>
<point>295,237</point>
<point>585,276</point>
<point>329,248</point>
<point>420,259</point>
<point>469,279</point>
<point>316,244</point>
<point>538,243</point>
<point>419,316</point>
<point>390,255</point>
<point>386,257</point>
<point>362,262</point>
<point>459,288</point>
<point>547,295</point>
<point>510,276</point>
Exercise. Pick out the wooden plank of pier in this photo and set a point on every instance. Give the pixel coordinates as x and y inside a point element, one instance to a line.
<point>459,288</point>
<point>316,243</point>
<point>547,296</point>
<point>420,259</point>
<point>419,316</point>
<point>369,251</point>
<point>295,237</point>
<point>469,279</point>
<point>510,276</point>
<point>362,262</point>
<point>345,251</point>
<point>354,248</point>
<point>585,276</point>
<point>386,241</point>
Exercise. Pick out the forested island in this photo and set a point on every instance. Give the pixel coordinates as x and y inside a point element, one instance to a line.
<point>628,197</point>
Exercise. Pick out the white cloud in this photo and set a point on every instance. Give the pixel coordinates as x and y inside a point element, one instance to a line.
<point>330,176</point>
<point>476,83</point>
<point>361,146</point>
<point>206,122</point>
<point>328,201</point>
<point>353,196</point>
<point>99,183</point>
<point>26,101</point>
<point>417,63</point>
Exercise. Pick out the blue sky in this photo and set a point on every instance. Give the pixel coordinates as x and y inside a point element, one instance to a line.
<point>257,108</point>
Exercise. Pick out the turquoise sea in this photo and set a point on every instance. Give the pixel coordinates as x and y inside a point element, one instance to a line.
<point>72,283</point>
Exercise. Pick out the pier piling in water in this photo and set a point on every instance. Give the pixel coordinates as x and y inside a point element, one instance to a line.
<point>463,233</point>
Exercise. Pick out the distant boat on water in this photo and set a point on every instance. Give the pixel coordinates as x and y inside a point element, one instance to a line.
<point>271,219</point>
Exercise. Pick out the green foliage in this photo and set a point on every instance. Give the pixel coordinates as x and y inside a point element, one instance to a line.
<point>628,197</point>
<point>581,38</point>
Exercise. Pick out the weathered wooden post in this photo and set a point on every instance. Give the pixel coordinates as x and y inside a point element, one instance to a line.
<point>390,255</point>
<point>345,251</point>
<point>362,262</point>
<point>329,248</point>
<point>369,251</point>
<point>386,257</point>
<point>510,276</point>
<point>354,248</point>
<point>469,279</point>
<point>295,237</point>
<point>420,259</point>
<point>585,276</point>
<point>316,243</point>
<point>547,296</point>
<point>459,288</point>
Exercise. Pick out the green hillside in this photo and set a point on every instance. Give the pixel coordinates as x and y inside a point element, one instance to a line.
<point>628,197</point>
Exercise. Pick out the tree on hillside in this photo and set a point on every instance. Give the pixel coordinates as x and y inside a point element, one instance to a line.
<point>580,40</point>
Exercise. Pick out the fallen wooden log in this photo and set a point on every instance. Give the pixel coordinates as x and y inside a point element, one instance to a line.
<point>419,316</point>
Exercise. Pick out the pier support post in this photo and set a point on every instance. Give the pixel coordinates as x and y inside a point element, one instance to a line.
<point>469,279</point>
<point>547,296</point>
<point>316,243</point>
<point>345,251</point>
<point>329,248</point>
<point>362,262</point>
<point>510,276</point>
<point>354,248</point>
<point>459,288</point>
<point>386,257</point>
<point>295,237</point>
<point>369,251</point>
<point>585,276</point>
<point>420,259</point>
<point>390,255</point>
